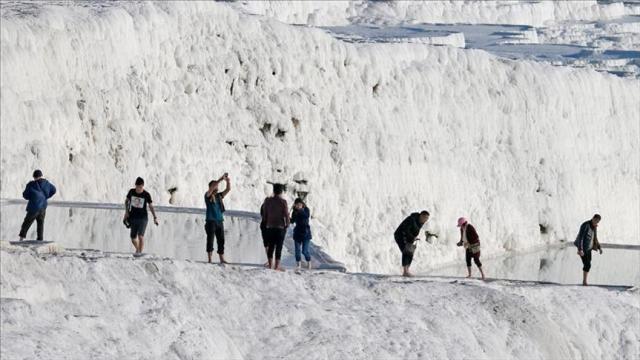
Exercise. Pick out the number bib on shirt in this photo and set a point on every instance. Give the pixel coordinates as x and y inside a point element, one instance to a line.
<point>137,202</point>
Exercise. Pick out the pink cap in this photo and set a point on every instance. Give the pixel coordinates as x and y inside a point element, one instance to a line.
<point>461,221</point>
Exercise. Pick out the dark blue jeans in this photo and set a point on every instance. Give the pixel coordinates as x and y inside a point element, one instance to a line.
<point>304,244</point>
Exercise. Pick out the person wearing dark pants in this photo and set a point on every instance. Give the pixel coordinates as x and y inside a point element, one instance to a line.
<point>37,192</point>
<point>135,214</point>
<point>275,216</point>
<point>214,222</point>
<point>471,241</point>
<point>302,232</point>
<point>406,235</point>
<point>586,241</point>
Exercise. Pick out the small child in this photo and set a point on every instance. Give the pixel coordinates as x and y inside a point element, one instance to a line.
<point>302,232</point>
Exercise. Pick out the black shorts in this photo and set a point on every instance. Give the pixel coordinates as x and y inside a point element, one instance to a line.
<point>138,227</point>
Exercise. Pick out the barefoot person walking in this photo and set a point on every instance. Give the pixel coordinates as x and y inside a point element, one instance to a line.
<point>275,215</point>
<point>214,223</point>
<point>586,241</point>
<point>37,191</point>
<point>135,214</point>
<point>406,235</point>
<point>471,241</point>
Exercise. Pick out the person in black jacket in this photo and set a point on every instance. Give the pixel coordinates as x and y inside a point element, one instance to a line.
<point>586,241</point>
<point>406,234</point>
<point>302,232</point>
<point>37,192</point>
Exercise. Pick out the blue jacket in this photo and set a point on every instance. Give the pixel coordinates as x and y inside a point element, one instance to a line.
<point>37,192</point>
<point>302,231</point>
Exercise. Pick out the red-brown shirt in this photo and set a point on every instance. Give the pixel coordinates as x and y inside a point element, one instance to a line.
<point>472,235</point>
<point>275,212</point>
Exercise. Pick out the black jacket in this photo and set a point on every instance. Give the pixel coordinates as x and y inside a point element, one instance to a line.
<point>585,242</point>
<point>409,229</point>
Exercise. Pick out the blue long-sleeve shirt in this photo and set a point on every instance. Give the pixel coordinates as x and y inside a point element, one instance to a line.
<point>37,192</point>
<point>302,230</point>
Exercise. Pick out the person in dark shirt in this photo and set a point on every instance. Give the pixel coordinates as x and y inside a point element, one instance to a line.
<point>406,235</point>
<point>37,191</point>
<point>301,232</point>
<point>275,216</point>
<point>135,214</point>
<point>215,219</point>
<point>586,241</point>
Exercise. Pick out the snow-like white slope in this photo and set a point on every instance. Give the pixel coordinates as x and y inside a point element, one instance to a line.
<point>534,13</point>
<point>65,307</point>
<point>178,93</point>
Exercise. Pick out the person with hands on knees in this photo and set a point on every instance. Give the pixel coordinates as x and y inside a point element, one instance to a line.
<point>586,241</point>
<point>135,215</point>
<point>214,222</point>
<point>406,235</point>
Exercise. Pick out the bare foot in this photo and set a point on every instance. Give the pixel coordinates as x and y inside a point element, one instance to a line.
<point>267,265</point>
<point>468,276</point>
<point>585,284</point>
<point>279,269</point>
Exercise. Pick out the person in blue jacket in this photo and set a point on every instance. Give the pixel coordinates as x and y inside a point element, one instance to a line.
<point>36,192</point>
<point>301,232</point>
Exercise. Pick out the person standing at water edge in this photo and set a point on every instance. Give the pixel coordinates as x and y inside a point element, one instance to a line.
<point>471,241</point>
<point>275,215</point>
<point>406,235</point>
<point>135,207</point>
<point>36,192</point>
<point>215,219</point>
<point>586,241</point>
<point>302,232</point>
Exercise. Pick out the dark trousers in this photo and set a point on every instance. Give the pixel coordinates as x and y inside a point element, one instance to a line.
<point>214,229</point>
<point>38,216</point>
<point>275,240</point>
<point>407,248</point>
<point>476,258</point>
<point>586,261</point>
